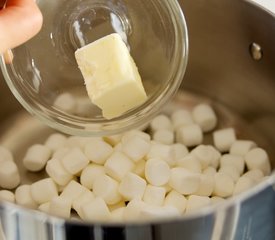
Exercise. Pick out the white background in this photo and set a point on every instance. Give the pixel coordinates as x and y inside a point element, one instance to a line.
<point>269,4</point>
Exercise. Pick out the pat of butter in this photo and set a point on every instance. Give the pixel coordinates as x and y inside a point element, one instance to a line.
<point>111,76</point>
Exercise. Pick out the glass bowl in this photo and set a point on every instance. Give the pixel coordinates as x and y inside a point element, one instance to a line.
<point>46,80</point>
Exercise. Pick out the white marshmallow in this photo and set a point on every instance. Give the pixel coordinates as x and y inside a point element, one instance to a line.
<point>5,154</point>
<point>73,190</point>
<point>162,151</point>
<point>132,186</point>
<point>241,147</point>
<point>132,210</point>
<point>113,140</point>
<point>224,185</point>
<point>136,147</point>
<point>117,165</point>
<point>65,102</point>
<point>36,157</point>
<point>204,115</point>
<point>157,212</point>
<point>60,152</point>
<point>216,156</point>
<point>181,118</point>
<point>206,186</point>
<point>190,162</point>
<point>255,174</point>
<point>74,161</point>
<point>231,171</point>
<point>210,171</point>
<point>257,158</point>
<point>55,141</point>
<point>57,172</point>
<point>117,215</point>
<point>84,107</point>
<point>6,195</point>
<point>140,168</point>
<point>95,210</point>
<point>44,207</point>
<point>243,184</point>
<point>204,154</point>
<point>161,122</point>
<point>176,200</point>
<point>224,138</point>
<point>195,203</point>
<point>43,190</point>
<point>216,199</point>
<point>98,151</point>
<point>157,172</point>
<point>60,207</point>
<point>76,141</point>
<point>23,197</point>
<point>154,195</point>
<point>184,181</point>
<point>9,175</point>
<point>190,135</point>
<point>83,198</point>
<point>107,188</point>
<point>135,133</point>
<point>235,160</point>
<point>117,205</point>
<point>164,136</point>
<point>90,173</point>
<point>179,151</point>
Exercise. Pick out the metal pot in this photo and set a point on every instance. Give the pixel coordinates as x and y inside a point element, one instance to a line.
<point>232,53</point>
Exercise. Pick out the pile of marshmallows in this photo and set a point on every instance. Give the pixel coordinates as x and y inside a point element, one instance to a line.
<point>136,175</point>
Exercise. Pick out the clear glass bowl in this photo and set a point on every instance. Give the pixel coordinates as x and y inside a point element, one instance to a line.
<point>45,78</point>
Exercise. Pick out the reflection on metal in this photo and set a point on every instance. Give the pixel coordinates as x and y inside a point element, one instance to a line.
<point>256,51</point>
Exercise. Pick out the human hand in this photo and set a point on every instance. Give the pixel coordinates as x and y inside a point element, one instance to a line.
<point>19,21</point>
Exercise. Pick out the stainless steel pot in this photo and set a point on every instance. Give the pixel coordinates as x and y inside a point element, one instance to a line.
<point>232,56</point>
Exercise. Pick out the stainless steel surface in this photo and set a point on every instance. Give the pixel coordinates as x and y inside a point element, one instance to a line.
<point>222,71</point>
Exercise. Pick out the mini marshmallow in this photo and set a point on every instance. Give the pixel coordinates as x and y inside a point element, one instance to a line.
<point>176,200</point>
<point>95,210</point>
<point>241,147</point>
<point>179,151</point>
<point>162,151</point>
<point>157,212</point>
<point>65,102</point>
<point>257,158</point>
<point>83,198</point>
<point>206,186</point>
<point>60,152</point>
<point>154,195</point>
<point>117,215</point>
<point>224,185</point>
<point>140,168</point>
<point>216,156</point>
<point>132,210</point>
<point>107,188</point>
<point>190,163</point>
<point>73,190</point>
<point>57,172</point>
<point>5,154</point>
<point>255,174</point>
<point>55,141</point>
<point>243,184</point>
<point>136,147</point>
<point>76,141</point>
<point>9,175</point>
<point>132,186</point>
<point>135,133</point>
<point>190,135</point>
<point>210,171</point>
<point>235,160</point>
<point>164,136</point>
<point>117,205</point>
<point>184,181</point>
<point>216,199</point>
<point>204,154</point>
<point>224,138</point>
<point>195,202</point>
<point>181,118</point>
<point>204,115</point>
<point>23,197</point>
<point>60,207</point>
<point>43,190</point>
<point>84,107</point>
<point>231,171</point>
<point>113,140</point>
<point>98,151</point>
<point>36,157</point>
<point>74,161</point>
<point>118,164</point>
<point>6,195</point>
<point>44,207</point>
<point>90,173</point>
<point>161,122</point>
<point>157,172</point>
<point>118,147</point>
